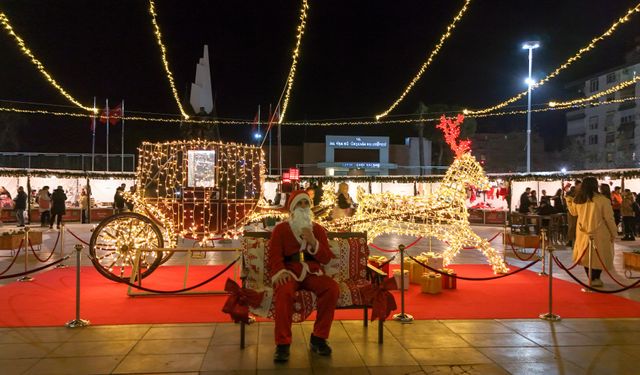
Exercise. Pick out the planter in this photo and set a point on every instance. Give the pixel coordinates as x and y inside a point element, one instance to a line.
<point>631,261</point>
<point>12,241</point>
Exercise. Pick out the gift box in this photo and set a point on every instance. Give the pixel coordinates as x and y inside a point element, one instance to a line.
<point>448,279</point>
<point>431,283</point>
<point>396,275</point>
<point>433,260</point>
<point>380,262</point>
<point>416,271</point>
<point>631,261</point>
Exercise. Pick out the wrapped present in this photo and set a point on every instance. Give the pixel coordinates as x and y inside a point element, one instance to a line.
<point>433,260</point>
<point>416,271</point>
<point>408,265</point>
<point>431,283</point>
<point>448,280</point>
<point>380,262</point>
<point>396,275</point>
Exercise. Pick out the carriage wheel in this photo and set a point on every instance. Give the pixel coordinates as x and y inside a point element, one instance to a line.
<point>118,238</point>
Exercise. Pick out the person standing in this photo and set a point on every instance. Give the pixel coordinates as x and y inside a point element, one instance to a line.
<point>44,205</point>
<point>572,220</point>
<point>84,206</point>
<point>20,205</point>
<point>628,215</point>
<point>297,250</point>
<point>118,201</point>
<point>595,221</point>
<point>616,203</point>
<point>525,202</point>
<point>58,206</point>
<point>345,202</point>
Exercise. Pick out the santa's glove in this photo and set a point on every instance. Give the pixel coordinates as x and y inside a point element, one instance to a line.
<point>281,278</point>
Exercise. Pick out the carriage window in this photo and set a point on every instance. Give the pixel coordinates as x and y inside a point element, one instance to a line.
<point>201,168</point>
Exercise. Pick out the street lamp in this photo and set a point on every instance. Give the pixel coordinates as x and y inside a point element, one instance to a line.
<point>530,46</point>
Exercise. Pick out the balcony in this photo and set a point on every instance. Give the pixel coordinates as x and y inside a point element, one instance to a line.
<point>576,115</point>
<point>627,105</point>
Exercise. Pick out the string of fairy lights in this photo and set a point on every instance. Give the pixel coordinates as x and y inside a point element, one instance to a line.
<point>577,56</point>
<point>163,54</point>
<point>294,57</point>
<point>600,94</point>
<point>26,51</point>
<point>426,64</point>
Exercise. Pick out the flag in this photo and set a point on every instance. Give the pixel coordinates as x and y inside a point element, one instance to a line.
<point>115,114</point>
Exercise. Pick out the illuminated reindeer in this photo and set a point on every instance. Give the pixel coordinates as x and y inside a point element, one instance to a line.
<point>442,214</point>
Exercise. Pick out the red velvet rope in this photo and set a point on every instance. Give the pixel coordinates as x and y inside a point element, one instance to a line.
<point>396,250</point>
<point>634,285</point>
<point>36,255</point>
<point>14,258</point>
<point>607,270</point>
<point>535,251</point>
<point>77,238</point>
<point>185,289</point>
<point>35,269</point>
<point>473,278</point>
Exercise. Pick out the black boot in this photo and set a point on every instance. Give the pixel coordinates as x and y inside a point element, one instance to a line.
<point>281,354</point>
<point>320,346</point>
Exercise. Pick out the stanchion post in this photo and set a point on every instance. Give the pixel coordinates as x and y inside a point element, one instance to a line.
<point>402,316</point>
<point>543,249</point>
<point>77,322</point>
<point>590,259</point>
<point>550,316</point>
<point>26,255</point>
<point>61,240</point>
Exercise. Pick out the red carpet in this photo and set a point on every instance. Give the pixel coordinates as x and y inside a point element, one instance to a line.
<point>50,299</point>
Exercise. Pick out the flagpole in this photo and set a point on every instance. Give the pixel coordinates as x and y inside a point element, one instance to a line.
<point>279,143</point>
<point>107,101</point>
<point>93,137</point>
<point>269,131</point>
<point>122,141</point>
<point>259,121</point>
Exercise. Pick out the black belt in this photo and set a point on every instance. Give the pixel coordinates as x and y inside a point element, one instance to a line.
<point>298,258</point>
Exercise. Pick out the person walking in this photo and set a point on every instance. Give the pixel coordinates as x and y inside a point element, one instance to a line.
<point>20,205</point>
<point>44,205</point>
<point>628,215</point>
<point>595,221</point>
<point>58,206</point>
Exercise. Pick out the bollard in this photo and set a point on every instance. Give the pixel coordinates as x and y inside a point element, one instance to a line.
<point>402,317</point>
<point>543,248</point>
<point>77,322</point>
<point>550,316</point>
<point>590,257</point>
<point>26,255</point>
<point>61,240</point>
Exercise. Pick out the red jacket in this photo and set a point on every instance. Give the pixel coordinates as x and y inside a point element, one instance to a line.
<point>284,243</point>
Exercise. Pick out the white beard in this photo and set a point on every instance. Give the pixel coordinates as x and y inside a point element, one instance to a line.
<point>300,218</point>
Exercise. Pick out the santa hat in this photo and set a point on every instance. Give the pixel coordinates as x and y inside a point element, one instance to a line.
<point>295,198</point>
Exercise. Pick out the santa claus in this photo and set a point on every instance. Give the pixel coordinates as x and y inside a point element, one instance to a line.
<point>297,251</point>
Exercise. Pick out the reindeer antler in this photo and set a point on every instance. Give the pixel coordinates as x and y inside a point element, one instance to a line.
<point>451,130</point>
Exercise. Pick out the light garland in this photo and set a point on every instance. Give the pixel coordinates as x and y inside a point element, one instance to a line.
<point>600,94</point>
<point>23,47</point>
<point>296,53</point>
<point>165,63</point>
<point>314,123</point>
<point>631,12</point>
<point>426,64</point>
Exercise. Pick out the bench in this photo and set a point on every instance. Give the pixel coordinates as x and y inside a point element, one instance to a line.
<point>349,268</point>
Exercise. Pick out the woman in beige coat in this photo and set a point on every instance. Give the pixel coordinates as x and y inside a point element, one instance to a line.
<point>595,219</point>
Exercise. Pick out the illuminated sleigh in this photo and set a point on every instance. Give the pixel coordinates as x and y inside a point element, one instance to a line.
<point>197,190</point>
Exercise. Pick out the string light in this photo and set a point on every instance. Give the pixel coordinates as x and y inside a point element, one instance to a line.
<point>600,94</point>
<point>165,63</point>
<point>296,53</point>
<point>317,123</point>
<point>7,26</point>
<point>426,64</point>
<point>631,12</point>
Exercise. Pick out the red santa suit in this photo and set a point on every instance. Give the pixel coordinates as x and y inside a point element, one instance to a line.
<point>306,272</point>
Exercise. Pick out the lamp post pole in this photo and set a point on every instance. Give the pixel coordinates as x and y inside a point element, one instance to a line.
<point>530,46</point>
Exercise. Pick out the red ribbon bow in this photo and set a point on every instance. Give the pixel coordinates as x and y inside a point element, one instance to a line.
<point>380,298</point>
<point>237,305</point>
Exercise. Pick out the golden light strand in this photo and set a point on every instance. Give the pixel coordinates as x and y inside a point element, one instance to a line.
<point>7,26</point>
<point>600,94</point>
<point>426,64</point>
<point>165,63</point>
<point>296,53</point>
<point>571,60</point>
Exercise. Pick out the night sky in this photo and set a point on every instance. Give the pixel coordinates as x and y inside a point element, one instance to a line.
<point>357,57</point>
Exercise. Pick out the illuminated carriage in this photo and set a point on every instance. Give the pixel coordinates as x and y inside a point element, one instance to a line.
<point>198,190</point>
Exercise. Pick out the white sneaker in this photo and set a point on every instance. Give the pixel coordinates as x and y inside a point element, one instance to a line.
<point>597,283</point>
